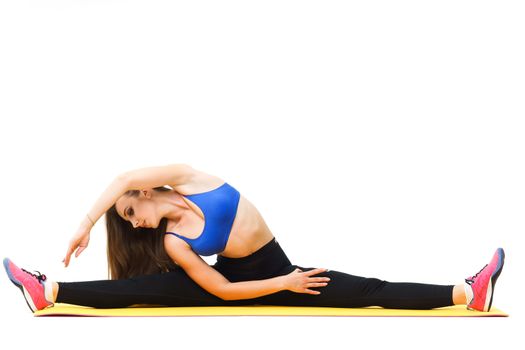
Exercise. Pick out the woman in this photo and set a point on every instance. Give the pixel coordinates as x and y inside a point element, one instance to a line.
<point>156,236</point>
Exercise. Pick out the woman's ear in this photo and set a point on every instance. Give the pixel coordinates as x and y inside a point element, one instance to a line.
<point>146,193</point>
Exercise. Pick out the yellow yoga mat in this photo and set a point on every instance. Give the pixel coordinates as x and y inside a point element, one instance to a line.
<point>60,309</point>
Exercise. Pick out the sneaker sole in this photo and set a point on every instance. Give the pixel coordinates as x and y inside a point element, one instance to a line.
<point>17,283</point>
<point>494,278</point>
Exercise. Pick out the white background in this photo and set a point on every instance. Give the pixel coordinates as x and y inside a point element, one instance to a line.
<point>379,138</point>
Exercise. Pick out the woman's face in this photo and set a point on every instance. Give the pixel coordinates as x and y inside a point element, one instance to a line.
<point>141,211</point>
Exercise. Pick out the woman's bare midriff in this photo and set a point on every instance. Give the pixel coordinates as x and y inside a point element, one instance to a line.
<point>249,230</point>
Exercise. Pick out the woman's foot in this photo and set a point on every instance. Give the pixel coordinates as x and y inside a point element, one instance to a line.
<point>32,286</point>
<point>479,288</point>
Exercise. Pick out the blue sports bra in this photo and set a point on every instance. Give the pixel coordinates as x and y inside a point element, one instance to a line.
<point>219,207</point>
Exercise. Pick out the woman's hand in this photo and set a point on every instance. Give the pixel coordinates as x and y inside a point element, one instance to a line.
<point>299,282</point>
<point>80,240</point>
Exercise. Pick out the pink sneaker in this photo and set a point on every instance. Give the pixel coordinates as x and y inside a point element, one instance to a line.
<point>480,287</point>
<point>31,285</point>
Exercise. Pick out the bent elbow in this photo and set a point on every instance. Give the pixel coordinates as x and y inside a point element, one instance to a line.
<point>223,293</point>
<point>223,296</point>
<point>226,297</point>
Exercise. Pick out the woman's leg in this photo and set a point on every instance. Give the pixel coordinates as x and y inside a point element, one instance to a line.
<point>459,296</point>
<point>174,288</point>
<point>343,290</point>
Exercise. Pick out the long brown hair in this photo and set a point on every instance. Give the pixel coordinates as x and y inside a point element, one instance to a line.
<point>135,251</point>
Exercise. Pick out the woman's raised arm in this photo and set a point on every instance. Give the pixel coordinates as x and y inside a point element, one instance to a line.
<point>114,191</point>
<point>173,175</point>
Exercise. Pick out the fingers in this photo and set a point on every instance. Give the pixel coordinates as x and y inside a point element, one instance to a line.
<point>79,250</point>
<point>318,279</point>
<point>310,285</point>
<point>309,291</point>
<point>68,256</point>
<point>316,284</point>
<point>315,271</point>
<point>70,251</point>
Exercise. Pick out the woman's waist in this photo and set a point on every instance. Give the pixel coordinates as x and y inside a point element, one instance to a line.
<point>263,249</point>
<point>245,242</point>
<point>266,261</point>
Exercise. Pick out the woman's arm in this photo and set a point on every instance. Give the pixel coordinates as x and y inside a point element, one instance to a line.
<point>296,281</point>
<point>213,281</point>
<point>171,174</point>
<point>80,239</point>
<point>252,289</point>
<point>110,195</point>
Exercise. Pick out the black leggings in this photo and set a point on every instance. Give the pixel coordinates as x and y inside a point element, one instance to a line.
<point>176,288</point>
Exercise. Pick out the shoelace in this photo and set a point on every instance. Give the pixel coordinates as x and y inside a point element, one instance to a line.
<point>40,276</point>
<point>473,278</point>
